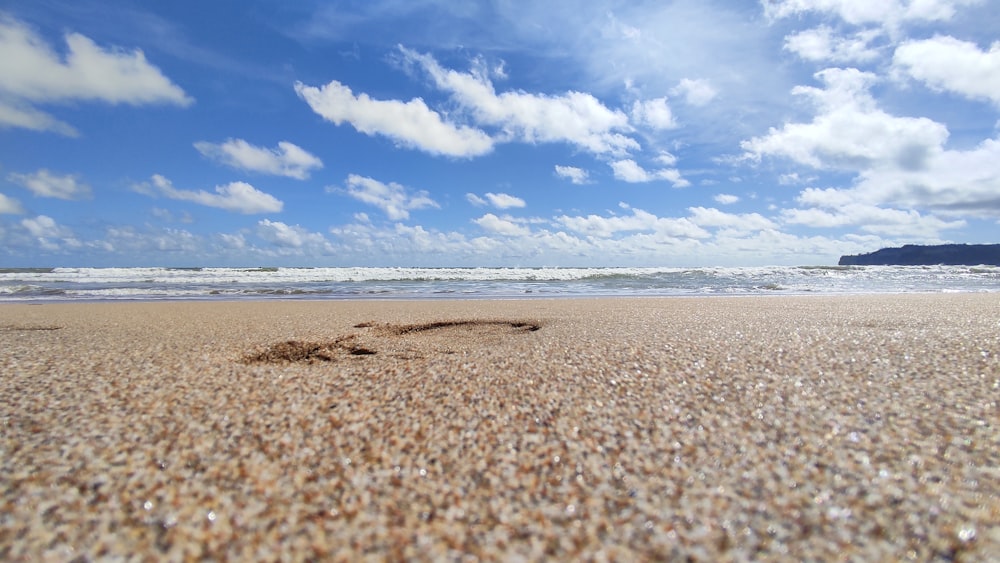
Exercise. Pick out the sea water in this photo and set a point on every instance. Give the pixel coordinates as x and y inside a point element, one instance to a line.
<point>73,284</point>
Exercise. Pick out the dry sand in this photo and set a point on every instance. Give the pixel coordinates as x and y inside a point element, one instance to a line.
<point>721,429</point>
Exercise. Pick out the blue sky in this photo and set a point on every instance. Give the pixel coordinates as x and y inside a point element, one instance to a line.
<point>494,133</point>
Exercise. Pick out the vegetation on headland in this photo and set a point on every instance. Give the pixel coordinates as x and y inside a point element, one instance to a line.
<point>920,255</point>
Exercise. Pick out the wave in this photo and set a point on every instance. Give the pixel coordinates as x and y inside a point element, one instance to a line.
<point>29,290</point>
<point>401,282</point>
<point>25,270</point>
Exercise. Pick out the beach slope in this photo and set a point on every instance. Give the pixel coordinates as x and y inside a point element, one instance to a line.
<point>819,428</point>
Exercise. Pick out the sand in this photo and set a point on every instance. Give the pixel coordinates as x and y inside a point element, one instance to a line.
<point>751,428</point>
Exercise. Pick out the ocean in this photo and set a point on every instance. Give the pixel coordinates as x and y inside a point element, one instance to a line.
<point>114,284</point>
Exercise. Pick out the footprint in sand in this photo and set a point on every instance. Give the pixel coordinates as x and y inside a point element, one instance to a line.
<point>404,341</point>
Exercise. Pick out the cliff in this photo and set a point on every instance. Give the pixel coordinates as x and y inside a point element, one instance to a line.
<point>917,255</point>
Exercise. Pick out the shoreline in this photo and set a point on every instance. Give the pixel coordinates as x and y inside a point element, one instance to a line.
<point>808,426</point>
<point>446,297</point>
<point>152,284</point>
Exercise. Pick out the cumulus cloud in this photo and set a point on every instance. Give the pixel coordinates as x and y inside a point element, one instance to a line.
<point>946,63</point>
<point>823,44</point>
<point>628,170</point>
<point>577,118</point>
<point>695,92</point>
<point>46,184</point>
<point>233,241</point>
<point>48,234</point>
<point>500,201</point>
<point>899,161</point>
<point>655,114</point>
<point>573,174</point>
<point>287,159</point>
<point>953,181</point>
<point>395,200</point>
<point>10,206</point>
<point>411,124</point>
<point>31,73</point>
<point>291,236</point>
<point>235,196</point>
<point>849,131</point>
<point>665,158</point>
<point>502,226</point>
<point>726,199</point>
<point>42,226</point>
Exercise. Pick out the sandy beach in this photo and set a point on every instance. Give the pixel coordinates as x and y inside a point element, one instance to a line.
<point>750,428</point>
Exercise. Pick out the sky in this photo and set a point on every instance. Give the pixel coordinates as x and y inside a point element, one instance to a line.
<point>494,132</point>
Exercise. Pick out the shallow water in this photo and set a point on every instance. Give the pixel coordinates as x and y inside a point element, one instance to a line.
<point>71,284</point>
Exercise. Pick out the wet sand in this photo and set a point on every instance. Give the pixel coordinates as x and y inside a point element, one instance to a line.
<point>849,427</point>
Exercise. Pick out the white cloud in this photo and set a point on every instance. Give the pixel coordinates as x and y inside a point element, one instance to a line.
<point>600,44</point>
<point>574,117</point>
<point>504,201</point>
<point>829,197</point>
<point>41,226</point>
<point>411,124</point>
<point>793,178</point>
<point>393,199</point>
<point>835,208</point>
<point>168,216</point>
<point>946,63</point>
<point>665,158</point>
<point>890,13</point>
<point>672,44</point>
<point>128,240</point>
<point>233,241</point>
<point>31,72</point>
<point>726,199</point>
<point>899,161</point>
<point>502,226</point>
<point>18,114</point>
<point>414,245</point>
<point>711,217</point>
<point>953,181</point>
<point>640,220</point>
<point>500,201</point>
<point>849,131</point>
<point>573,174</point>
<point>821,44</point>
<point>628,170</point>
<point>235,196</point>
<point>46,184</point>
<point>655,114</point>
<point>500,71</point>
<point>10,206</point>
<point>292,236</point>
<point>695,92</point>
<point>287,160</point>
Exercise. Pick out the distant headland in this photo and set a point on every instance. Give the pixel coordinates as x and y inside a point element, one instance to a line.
<point>919,255</point>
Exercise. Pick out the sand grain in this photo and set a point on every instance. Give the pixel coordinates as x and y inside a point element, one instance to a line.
<point>718,429</point>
